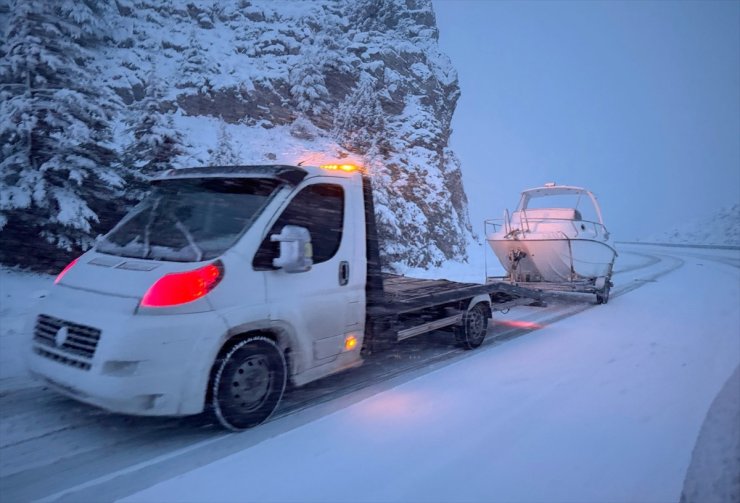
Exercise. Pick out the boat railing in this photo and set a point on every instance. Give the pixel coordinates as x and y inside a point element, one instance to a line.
<point>494,225</point>
<point>523,221</point>
<point>526,222</point>
<point>599,229</point>
<point>507,221</point>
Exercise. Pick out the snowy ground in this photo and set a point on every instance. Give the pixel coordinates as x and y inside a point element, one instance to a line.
<point>18,292</point>
<point>602,403</point>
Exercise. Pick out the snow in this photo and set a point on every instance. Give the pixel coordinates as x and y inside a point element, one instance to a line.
<point>719,227</point>
<point>715,465</point>
<point>175,85</point>
<point>19,291</point>
<point>602,406</point>
<point>276,142</point>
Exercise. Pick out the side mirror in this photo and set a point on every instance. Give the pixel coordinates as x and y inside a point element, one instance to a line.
<point>296,252</point>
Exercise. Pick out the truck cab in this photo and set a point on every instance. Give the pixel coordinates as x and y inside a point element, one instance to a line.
<point>144,322</point>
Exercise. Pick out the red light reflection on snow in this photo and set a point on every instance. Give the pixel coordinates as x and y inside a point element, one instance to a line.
<point>393,406</point>
<point>526,325</point>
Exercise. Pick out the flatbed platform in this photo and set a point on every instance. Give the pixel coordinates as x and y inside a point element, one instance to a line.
<point>402,294</point>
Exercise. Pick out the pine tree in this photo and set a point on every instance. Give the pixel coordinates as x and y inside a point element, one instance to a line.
<point>55,167</point>
<point>195,66</point>
<point>306,79</point>
<point>4,14</point>
<point>86,20</point>
<point>360,122</point>
<point>224,154</point>
<point>156,142</point>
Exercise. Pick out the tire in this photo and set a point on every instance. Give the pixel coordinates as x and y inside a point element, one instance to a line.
<point>474,327</point>
<point>248,383</point>
<point>603,296</point>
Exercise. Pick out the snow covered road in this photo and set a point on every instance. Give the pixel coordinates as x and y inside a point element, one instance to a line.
<point>602,403</point>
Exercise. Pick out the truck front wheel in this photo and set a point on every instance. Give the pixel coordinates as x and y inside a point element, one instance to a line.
<point>474,327</point>
<point>249,383</point>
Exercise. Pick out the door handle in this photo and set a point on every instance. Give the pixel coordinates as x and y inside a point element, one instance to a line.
<point>343,273</point>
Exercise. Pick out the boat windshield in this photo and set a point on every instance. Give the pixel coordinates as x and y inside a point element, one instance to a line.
<point>189,220</point>
<point>577,201</point>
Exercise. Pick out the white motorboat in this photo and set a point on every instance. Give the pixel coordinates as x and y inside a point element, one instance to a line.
<point>556,238</point>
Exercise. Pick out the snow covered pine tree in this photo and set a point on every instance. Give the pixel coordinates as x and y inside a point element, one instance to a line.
<point>224,154</point>
<point>156,141</point>
<point>55,169</point>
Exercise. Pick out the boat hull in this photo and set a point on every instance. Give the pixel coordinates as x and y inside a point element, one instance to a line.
<point>553,259</point>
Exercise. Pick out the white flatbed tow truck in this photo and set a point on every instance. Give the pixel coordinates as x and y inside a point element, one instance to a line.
<point>225,283</point>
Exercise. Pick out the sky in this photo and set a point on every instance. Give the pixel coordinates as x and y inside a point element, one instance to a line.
<point>638,101</point>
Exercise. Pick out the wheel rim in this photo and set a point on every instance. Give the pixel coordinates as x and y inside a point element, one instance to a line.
<point>476,325</point>
<point>251,383</point>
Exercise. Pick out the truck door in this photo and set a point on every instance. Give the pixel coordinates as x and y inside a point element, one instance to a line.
<point>321,305</point>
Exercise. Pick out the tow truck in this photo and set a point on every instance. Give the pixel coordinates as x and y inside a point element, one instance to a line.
<point>226,283</point>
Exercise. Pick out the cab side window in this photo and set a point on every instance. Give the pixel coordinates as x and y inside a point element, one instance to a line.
<point>320,209</point>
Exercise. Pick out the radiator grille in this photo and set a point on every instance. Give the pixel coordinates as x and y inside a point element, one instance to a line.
<point>57,357</point>
<point>77,349</point>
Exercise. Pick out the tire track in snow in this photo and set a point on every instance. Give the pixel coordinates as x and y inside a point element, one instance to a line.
<point>652,260</point>
<point>576,307</point>
<point>730,261</point>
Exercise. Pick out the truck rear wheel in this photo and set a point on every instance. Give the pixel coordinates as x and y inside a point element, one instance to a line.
<point>249,383</point>
<point>474,327</point>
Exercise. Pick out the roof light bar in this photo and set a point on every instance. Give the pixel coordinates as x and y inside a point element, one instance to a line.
<point>340,167</point>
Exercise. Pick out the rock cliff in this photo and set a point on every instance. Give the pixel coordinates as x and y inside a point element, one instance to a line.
<point>242,82</point>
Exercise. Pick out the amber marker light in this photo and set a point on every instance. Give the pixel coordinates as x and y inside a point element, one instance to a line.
<point>350,343</point>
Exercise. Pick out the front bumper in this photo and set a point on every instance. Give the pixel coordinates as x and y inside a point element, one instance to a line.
<point>144,364</point>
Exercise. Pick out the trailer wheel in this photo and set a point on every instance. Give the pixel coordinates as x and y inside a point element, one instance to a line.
<point>474,327</point>
<point>248,384</point>
<point>603,296</point>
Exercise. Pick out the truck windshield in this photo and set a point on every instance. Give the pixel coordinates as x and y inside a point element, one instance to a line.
<point>189,220</point>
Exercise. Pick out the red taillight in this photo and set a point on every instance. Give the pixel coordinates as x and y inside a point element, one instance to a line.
<point>182,287</point>
<point>64,271</point>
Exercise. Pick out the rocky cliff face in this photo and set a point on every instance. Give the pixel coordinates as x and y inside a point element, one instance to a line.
<point>268,81</point>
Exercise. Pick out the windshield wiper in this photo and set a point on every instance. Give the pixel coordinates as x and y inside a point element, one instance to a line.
<point>191,241</point>
<point>147,228</point>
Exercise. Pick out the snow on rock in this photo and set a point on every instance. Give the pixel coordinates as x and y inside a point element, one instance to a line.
<point>720,228</point>
<point>262,81</point>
